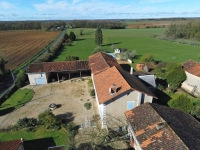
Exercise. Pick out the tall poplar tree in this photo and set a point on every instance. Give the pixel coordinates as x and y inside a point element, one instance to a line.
<point>98,36</point>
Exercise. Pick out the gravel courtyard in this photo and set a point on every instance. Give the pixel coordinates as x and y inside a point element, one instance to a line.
<point>69,95</point>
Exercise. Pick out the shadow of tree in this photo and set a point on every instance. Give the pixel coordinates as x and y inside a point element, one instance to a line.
<point>66,117</point>
<point>6,111</point>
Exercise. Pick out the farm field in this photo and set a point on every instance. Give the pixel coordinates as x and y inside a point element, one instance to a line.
<point>153,23</point>
<point>18,46</point>
<point>132,39</point>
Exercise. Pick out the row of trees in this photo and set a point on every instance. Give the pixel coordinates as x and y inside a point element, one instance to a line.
<point>32,25</point>
<point>191,30</point>
<point>107,24</point>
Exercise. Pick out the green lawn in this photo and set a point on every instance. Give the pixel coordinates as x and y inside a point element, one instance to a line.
<point>59,136</point>
<point>132,39</point>
<point>16,100</point>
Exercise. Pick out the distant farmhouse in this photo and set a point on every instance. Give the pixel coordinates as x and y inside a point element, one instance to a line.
<point>116,89</point>
<point>192,83</point>
<point>152,126</point>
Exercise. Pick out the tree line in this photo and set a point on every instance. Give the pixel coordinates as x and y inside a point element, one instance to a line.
<point>32,25</point>
<point>106,24</point>
<point>190,30</point>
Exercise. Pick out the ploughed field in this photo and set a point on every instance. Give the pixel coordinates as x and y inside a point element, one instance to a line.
<point>19,46</point>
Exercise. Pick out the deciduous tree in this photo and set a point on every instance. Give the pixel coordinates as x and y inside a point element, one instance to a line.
<point>182,102</point>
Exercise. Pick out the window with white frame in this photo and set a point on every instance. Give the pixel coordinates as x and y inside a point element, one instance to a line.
<point>130,105</point>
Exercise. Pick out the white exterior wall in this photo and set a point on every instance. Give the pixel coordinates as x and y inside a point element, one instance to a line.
<point>132,135</point>
<point>33,76</point>
<point>118,105</point>
<point>148,99</point>
<point>190,82</point>
<point>100,106</point>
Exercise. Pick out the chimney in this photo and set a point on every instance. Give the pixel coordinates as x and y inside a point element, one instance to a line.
<point>131,70</point>
<point>21,140</point>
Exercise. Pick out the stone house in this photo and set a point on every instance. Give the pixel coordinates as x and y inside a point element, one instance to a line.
<point>192,83</point>
<point>153,126</point>
<point>116,89</point>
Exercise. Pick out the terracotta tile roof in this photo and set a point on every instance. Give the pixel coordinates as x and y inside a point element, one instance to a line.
<point>104,80</point>
<point>107,72</point>
<point>10,145</point>
<point>101,61</point>
<point>178,133</point>
<point>58,66</point>
<point>192,67</point>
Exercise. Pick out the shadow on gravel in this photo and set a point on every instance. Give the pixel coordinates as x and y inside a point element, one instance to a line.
<point>6,111</point>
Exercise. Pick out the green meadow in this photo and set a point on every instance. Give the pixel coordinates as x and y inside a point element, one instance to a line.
<point>140,40</point>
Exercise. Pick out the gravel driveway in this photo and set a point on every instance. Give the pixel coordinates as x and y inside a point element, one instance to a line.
<point>69,95</point>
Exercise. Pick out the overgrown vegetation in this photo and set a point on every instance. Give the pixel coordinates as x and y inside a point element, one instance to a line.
<point>20,79</point>
<point>147,58</point>
<point>172,73</point>
<point>2,66</point>
<point>71,58</point>
<point>92,92</point>
<point>48,119</point>
<point>87,105</point>
<point>190,30</point>
<point>31,25</point>
<point>183,102</point>
<point>106,24</point>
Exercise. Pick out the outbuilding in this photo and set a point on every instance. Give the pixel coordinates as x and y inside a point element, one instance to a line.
<point>40,73</point>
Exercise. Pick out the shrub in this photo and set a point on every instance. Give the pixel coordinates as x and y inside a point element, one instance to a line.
<point>71,58</point>
<point>26,122</point>
<point>147,58</point>
<point>182,102</point>
<point>48,119</point>
<point>20,79</point>
<point>92,92</point>
<point>87,105</point>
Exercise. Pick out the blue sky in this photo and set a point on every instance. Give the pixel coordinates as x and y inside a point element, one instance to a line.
<point>96,9</point>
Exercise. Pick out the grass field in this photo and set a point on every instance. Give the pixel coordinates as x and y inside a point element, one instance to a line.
<point>59,136</point>
<point>18,99</point>
<point>132,39</point>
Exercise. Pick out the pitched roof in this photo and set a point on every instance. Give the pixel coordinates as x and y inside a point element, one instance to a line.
<point>179,131</point>
<point>192,67</point>
<point>103,81</point>
<point>107,72</point>
<point>101,61</point>
<point>58,66</point>
<point>10,145</point>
